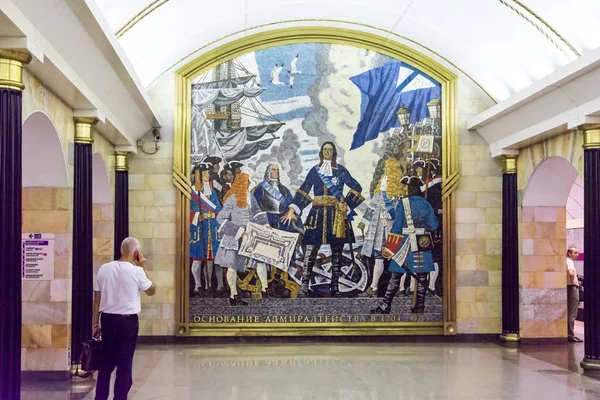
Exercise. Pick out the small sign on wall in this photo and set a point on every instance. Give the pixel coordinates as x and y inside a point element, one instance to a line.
<point>37,256</point>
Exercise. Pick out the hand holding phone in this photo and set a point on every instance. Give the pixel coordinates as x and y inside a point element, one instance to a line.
<point>139,259</point>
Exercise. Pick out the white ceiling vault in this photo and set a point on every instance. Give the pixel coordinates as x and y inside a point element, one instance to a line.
<point>503,45</point>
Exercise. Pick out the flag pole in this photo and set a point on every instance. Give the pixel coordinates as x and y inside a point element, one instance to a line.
<point>427,175</point>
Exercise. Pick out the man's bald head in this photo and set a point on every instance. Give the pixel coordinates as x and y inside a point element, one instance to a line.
<point>129,246</point>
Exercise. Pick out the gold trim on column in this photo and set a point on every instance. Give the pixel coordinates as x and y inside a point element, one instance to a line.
<point>181,178</point>
<point>83,129</point>
<point>509,164</point>
<point>590,364</point>
<point>510,337</point>
<point>121,161</point>
<point>591,138</point>
<point>11,68</point>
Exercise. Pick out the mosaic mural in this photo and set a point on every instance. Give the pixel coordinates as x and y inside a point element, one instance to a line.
<point>316,189</point>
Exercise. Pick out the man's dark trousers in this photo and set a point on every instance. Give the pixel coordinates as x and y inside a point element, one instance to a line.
<point>119,337</point>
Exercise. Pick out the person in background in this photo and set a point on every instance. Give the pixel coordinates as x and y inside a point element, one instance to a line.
<point>117,302</point>
<point>572,292</point>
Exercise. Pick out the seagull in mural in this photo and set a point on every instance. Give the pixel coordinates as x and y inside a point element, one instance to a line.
<point>275,75</point>
<point>294,70</point>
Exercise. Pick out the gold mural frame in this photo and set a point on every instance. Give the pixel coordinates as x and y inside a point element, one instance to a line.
<point>181,179</point>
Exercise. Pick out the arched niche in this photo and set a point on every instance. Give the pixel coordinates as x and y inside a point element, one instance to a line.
<point>101,192</point>
<point>550,183</point>
<point>43,158</point>
<point>543,237</point>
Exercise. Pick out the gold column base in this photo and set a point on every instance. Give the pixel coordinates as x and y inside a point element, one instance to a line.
<point>77,372</point>
<point>590,365</point>
<point>510,337</point>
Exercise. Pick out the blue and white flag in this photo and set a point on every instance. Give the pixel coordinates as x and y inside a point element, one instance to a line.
<point>383,90</point>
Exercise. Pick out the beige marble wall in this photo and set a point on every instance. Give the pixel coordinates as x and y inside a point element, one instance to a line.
<point>103,214</point>
<point>543,278</point>
<point>152,214</point>
<point>478,227</point>
<point>46,328</point>
<point>46,316</point>
<point>543,243</point>
<point>47,304</point>
<point>103,230</point>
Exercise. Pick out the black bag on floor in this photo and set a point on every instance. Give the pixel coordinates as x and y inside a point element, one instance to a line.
<point>91,355</point>
<point>581,291</point>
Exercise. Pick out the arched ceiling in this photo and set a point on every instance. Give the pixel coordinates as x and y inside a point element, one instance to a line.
<point>502,45</point>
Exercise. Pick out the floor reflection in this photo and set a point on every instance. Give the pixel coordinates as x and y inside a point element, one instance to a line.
<point>353,372</point>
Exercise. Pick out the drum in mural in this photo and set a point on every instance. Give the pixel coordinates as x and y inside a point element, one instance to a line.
<point>316,189</point>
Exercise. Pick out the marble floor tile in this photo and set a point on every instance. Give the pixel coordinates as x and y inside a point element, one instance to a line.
<point>353,371</point>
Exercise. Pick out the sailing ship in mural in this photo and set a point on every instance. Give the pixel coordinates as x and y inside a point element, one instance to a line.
<point>327,157</point>
<point>221,99</point>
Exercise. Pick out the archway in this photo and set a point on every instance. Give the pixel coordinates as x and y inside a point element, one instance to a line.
<point>46,209</point>
<point>543,236</point>
<point>103,213</point>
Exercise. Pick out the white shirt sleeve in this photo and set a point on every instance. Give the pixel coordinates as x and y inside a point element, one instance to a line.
<point>95,281</point>
<point>570,264</point>
<point>142,280</point>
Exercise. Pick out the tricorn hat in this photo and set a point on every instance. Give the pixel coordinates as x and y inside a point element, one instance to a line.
<point>212,160</point>
<point>232,165</point>
<point>204,166</point>
<point>412,181</point>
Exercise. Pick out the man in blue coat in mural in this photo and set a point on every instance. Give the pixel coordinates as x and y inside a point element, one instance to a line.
<point>275,199</point>
<point>328,221</point>
<point>204,241</point>
<point>409,246</point>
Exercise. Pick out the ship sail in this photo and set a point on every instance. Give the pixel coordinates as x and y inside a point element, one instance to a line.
<point>225,84</point>
<point>218,106</point>
<point>202,98</point>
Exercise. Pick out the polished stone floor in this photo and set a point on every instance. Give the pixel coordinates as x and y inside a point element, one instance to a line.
<point>348,371</point>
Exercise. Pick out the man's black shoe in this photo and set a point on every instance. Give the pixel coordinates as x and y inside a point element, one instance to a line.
<point>380,310</point>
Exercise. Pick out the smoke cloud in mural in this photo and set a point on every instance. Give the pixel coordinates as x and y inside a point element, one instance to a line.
<point>286,154</point>
<point>315,123</point>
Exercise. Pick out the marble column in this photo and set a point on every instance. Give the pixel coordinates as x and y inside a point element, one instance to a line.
<point>121,200</point>
<point>11,88</point>
<point>591,236</point>
<point>510,251</point>
<point>82,305</point>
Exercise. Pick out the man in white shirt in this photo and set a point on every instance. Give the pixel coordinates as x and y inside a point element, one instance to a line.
<point>117,302</point>
<point>572,292</point>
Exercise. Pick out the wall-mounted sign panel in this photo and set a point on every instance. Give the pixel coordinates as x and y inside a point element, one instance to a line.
<point>37,256</point>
